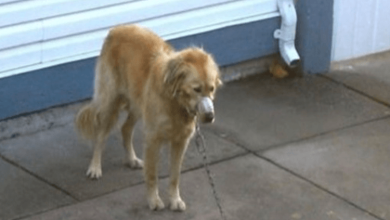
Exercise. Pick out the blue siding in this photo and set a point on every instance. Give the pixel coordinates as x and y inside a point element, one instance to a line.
<point>237,43</point>
<point>46,88</point>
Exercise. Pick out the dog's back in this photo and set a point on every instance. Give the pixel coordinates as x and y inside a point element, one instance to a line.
<point>129,51</point>
<point>121,74</point>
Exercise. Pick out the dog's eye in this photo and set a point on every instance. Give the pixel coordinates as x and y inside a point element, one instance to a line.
<point>212,89</point>
<point>197,89</point>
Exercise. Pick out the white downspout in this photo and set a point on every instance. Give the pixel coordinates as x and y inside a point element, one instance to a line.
<point>286,34</point>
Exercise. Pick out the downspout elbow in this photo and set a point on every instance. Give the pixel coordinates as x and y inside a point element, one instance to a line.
<point>286,34</point>
<point>289,53</point>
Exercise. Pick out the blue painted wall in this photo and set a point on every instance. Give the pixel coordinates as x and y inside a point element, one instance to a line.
<point>314,35</point>
<point>238,43</point>
<point>45,88</point>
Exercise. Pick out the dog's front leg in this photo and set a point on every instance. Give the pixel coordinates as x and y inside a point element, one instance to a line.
<point>178,149</point>
<point>151,154</point>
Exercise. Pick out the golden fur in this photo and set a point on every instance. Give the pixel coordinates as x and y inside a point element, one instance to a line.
<point>138,72</point>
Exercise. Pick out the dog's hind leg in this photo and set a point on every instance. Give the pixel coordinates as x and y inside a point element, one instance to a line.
<point>178,149</point>
<point>107,115</point>
<point>106,102</point>
<point>95,168</point>
<point>127,134</point>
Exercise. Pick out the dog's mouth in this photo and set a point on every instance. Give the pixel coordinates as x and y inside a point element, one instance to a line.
<point>205,110</point>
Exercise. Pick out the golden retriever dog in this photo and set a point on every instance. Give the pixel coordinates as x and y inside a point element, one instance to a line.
<point>169,90</point>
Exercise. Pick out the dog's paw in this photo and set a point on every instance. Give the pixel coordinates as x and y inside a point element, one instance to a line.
<point>135,163</point>
<point>94,172</point>
<point>156,203</point>
<point>177,204</point>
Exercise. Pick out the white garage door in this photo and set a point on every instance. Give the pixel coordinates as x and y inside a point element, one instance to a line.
<point>38,33</point>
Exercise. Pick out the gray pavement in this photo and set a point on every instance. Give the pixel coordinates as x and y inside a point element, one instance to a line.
<point>315,147</point>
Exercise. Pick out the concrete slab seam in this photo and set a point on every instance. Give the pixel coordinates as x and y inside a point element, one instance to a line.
<point>17,134</point>
<point>13,163</point>
<point>319,186</point>
<point>322,134</point>
<point>355,90</point>
<point>230,140</point>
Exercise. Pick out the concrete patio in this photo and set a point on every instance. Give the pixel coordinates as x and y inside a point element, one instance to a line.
<point>309,148</point>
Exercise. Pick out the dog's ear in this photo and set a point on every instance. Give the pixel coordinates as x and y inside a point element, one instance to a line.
<point>218,81</point>
<point>174,74</point>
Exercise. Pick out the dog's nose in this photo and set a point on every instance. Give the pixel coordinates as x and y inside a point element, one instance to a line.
<point>209,117</point>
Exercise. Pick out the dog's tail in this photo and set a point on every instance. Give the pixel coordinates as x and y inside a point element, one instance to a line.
<point>86,121</point>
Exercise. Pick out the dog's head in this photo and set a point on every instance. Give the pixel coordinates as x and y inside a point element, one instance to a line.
<point>192,78</point>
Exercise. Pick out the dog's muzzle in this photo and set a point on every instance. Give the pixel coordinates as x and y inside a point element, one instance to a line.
<point>205,109</point>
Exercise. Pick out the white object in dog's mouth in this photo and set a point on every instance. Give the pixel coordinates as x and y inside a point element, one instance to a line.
<point>205,106</point>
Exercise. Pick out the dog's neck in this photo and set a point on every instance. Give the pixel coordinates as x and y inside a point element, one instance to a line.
<point>185,115</point>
